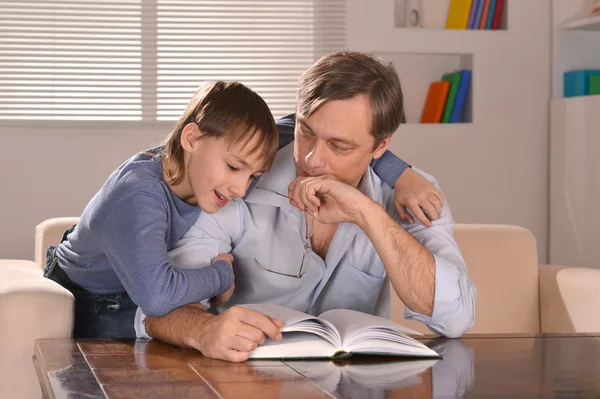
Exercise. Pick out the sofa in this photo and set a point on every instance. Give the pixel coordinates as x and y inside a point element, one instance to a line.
<point>515,295</point>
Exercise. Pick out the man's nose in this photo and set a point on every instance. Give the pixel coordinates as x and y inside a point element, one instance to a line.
<point>315,159</point>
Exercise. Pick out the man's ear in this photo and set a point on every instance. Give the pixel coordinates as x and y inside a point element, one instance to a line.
<point>189,137</point>
<point>382,147</point>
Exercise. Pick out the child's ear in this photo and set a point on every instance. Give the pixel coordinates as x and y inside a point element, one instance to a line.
<point>189,137</point>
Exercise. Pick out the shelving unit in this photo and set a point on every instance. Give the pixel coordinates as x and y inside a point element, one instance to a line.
<point>417,71</point>
<point>584,24</point>
<point>433,15</point>
<point>422,55</point>
<point>574,141</point>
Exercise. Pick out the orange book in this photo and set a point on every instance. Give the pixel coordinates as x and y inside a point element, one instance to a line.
<point>435,103</point>
<point>484,16</point>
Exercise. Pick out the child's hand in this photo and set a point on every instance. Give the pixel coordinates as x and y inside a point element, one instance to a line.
<point>224,297</point>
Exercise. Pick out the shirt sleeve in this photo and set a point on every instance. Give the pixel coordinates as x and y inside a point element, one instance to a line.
<point>389,167</point>
<point>454,301</point>
<point>285,127</point>
<point>209,236</point>
<point>133,237</point>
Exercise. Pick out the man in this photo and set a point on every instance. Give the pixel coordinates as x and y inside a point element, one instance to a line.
<point>338,239</point>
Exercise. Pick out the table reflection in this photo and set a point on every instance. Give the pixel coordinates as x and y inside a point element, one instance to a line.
<point>370,377</point>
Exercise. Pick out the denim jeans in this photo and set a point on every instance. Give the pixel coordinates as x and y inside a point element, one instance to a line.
<point>96,315</point>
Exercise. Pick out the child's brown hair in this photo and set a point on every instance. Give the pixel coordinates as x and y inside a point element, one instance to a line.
<point>226,110</point>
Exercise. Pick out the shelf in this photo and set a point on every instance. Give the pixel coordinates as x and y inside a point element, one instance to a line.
<point>432,14</point>
<point>586,24</point>
<point>418,71</point>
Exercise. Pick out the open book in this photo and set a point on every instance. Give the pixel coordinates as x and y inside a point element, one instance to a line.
<point>336,334</point>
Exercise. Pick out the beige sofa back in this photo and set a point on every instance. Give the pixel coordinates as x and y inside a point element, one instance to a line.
<point>502,263</point>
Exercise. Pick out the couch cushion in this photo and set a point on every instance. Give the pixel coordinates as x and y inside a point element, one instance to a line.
<point>31,307</point>
<point>502,263</point>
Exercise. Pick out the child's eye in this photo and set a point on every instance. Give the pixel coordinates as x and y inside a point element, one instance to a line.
<point>253,177</point>
<point>232,168</point>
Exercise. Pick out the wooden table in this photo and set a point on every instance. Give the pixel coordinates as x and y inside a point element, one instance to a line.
<point>489,366</point>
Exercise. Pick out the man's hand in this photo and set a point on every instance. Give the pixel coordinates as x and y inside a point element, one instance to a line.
<point>235,333</point>
<point>414,191</point>
<point>327,199</point>
<point>224,297</point>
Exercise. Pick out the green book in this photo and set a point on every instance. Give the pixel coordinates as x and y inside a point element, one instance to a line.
<point>594,84</point>
<point>454,79</point>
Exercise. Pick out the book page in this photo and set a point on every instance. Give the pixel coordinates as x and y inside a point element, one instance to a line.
<point>294,345</point>
<point>366,333</point>
<point>295,321</point>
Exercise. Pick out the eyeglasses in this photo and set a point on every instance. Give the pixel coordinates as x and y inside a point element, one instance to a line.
<point>310,226</point>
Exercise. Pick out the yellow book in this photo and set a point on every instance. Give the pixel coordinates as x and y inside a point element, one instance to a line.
<point>458,14</point>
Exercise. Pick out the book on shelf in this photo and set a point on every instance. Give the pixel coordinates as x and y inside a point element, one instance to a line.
<point>458,14</point>
<point>497,14</point>
<point>435,102</point>
<point>461,96</point>
<point>478,14</point>
<point>490,18</point>
<point>473,14</point>
<point>594,85</point>
<point>484,16</point>
<point>454,79</point>
<point>577,83</point>
<point>336,334</point>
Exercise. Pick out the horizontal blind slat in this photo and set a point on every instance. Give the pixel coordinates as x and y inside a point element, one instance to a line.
<point>83,59</point>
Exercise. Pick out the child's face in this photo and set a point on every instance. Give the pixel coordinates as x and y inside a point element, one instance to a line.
<point>219,171</point>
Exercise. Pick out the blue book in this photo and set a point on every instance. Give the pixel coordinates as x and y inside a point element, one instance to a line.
<point>577,83</point>
<point>479,14</point>
<point>461,96</point>
<point>490,16</point>
<point>473,13</point>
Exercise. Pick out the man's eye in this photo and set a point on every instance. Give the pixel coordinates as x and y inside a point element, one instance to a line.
<point>338,148</point>
<point>232,168</point>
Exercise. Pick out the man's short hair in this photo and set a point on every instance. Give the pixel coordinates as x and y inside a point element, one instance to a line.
<point>346,74</point>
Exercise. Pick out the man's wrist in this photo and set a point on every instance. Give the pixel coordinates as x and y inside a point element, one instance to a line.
<point>182,327</point>
<point>367,211</point>
<point>194,340</point>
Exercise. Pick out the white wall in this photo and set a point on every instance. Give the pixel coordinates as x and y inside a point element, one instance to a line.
<point>492,171</point>
<point>54,172</point>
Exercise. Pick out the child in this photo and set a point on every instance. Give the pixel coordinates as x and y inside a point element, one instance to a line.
<point>115,258</point>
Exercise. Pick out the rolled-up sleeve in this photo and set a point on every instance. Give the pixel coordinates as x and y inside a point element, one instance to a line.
<point>454,293</point>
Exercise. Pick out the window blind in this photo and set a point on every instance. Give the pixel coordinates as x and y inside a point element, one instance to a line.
<point>143,60</point>
<point>70,60</point>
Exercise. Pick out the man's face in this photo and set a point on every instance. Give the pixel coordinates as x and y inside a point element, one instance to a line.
<point>336,140</point>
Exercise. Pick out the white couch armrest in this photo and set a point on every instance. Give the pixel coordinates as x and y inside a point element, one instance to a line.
<point>49,232</point>
<point>31,307</point>
<point>569,299</point>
